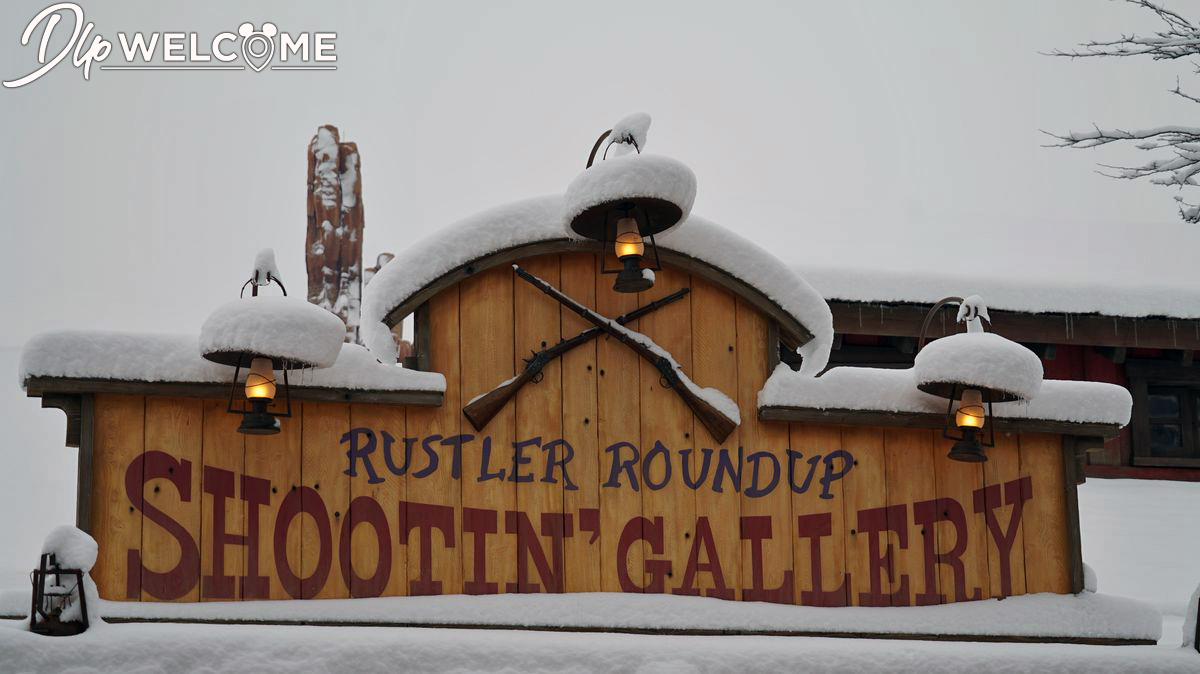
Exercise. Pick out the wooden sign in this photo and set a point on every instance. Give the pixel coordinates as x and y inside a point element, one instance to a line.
<point>594,478</point>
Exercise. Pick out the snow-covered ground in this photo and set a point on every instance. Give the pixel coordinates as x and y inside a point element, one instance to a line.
<point>1141,538</point>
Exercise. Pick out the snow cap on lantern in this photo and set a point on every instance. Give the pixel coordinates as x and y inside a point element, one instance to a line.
<point>978,360</point>
<point>290,331</point>
<point>628,197</point>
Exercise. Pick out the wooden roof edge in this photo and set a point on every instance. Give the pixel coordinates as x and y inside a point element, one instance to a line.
<point>42,387</point>
<point>931,420</point>
<point>792,331</point>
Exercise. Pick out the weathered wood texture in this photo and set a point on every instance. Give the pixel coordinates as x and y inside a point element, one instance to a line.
<point>593,478</point>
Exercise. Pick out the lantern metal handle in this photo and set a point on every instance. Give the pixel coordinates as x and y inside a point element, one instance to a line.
<point>929,317</point>
<point>596,148</point>
<point>254,286</point>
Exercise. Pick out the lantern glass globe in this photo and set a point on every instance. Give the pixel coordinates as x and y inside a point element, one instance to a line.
<point>629,239</point>
<point>971,412</point>
<point>260,383</point>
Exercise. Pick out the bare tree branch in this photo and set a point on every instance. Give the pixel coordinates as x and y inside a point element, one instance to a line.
<point>1180,39</point>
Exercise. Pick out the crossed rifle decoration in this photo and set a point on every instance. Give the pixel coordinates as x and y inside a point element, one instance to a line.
<point>480,410</point>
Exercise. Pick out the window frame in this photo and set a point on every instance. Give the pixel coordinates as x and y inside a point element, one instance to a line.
<point>1144,375</point>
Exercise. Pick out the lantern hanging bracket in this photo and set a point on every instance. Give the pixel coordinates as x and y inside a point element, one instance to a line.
<point>254,286</point>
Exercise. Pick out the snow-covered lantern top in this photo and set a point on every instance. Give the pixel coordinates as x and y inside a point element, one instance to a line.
<point>629,197</point>
<point>265,334</point>
<point>974,369</point>
<point>60,592</point>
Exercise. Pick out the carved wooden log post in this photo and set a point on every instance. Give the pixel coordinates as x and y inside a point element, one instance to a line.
<point>335,221</point>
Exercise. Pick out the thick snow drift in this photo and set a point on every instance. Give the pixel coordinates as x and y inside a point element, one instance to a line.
<point>886,390</point>
<point>283,328</point>
<point>979,359</point>
<point>155,357</point>
<point>540,219</point>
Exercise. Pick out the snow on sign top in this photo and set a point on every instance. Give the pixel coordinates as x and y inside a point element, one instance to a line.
<point>886,390</point>
<point>156,357</point>
<point>1126,300</point>
<point>541,219</point>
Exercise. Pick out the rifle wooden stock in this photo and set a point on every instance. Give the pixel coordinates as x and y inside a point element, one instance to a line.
<point>481,410</point>
<point>719,425</point>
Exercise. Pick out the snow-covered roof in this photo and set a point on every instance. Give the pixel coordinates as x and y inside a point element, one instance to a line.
<point>157,357</point>
<point>541,219</point>
<point>889,390</point>
<point>865,285</point>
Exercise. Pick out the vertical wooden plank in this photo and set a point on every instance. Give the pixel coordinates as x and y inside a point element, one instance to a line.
<point>487,359</point>
<point>116,524</point>
<point>438,488</point>
<point>817,516</point>
<point>774,580</point>
<point>667,420</point>
<point>322,472</point>
<point>1004,466</point>
<point>1047,553</point>
<point>224,450</point>
<point>173,426</point>
<point>368,543</point>
<point>618,396</point>
<point>276,459</point>
<point>538,414</point>
<point>908,454</point>
<point>579,427</point>
<point>958,481</point>
<point>864,487</point>
<point>715,364</point>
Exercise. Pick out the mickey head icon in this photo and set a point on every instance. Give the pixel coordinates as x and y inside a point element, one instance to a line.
<point>258,45</point>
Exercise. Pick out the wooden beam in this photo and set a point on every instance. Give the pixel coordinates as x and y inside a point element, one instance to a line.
<point>927,420</point>
<point>41,387</point>
<point>84,471</point>
<point>1073,477</point>
<point>873,318</point>
<point>792,332</point>
<point>71,405</point>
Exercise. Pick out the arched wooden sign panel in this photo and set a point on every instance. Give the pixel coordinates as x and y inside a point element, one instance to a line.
<point>595,478</point>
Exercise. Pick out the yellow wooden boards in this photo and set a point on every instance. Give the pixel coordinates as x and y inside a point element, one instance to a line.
<point>594,477</point>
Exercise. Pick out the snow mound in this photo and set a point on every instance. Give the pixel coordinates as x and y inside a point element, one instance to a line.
<point>264,267</point>
<point>282,328</point>
<point>631,130</point>
<point>887,390</point>
<point>629,177</point>
<point>1089,578</point>
<point>156,357</point>
<point>72,548</point>
<point>540,219</point>
<point>978,359</point>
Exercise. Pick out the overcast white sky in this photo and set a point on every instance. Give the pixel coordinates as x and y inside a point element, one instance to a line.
<point>893,135</point>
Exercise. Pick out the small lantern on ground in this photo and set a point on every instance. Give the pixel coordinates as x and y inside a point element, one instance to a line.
<point>624,201</point>
<point>263,335</point>
<point>973,371</point>
<point>56,591</point>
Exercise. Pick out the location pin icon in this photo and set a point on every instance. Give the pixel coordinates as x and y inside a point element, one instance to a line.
<point>258,48</point>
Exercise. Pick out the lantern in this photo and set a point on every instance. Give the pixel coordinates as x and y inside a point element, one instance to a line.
<point>55,591</point>
<point>972,371</point>
<point>624,201</point>
<point>261,336</point>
